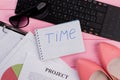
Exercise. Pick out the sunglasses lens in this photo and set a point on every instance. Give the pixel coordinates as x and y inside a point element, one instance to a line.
<point>19,21</point>
<point>23,22</point>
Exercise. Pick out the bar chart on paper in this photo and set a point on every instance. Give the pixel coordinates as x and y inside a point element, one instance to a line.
<point>12,73</point>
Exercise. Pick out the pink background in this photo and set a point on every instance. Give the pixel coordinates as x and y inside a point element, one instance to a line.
<point>7,9</point>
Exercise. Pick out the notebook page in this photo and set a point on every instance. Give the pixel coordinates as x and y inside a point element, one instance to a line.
<point>60,40</point>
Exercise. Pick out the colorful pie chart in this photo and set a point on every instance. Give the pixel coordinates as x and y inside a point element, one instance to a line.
<point>12,73</point>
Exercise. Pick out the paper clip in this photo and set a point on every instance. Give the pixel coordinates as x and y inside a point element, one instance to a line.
<point>4,29</point>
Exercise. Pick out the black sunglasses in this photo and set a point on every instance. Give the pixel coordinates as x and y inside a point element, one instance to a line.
<point>22,20</point>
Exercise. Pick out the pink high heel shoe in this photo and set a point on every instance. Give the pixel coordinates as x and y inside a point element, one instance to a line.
<point>110,59</point>
<point>88,70</point>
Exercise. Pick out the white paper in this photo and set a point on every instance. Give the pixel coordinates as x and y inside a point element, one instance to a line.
<point>18,54</point>
<point>54,69</point>
<point>59,40</point>
<point>8,41</point>
<point>38,76</point>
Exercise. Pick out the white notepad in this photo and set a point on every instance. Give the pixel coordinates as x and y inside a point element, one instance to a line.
<point>59,40</point>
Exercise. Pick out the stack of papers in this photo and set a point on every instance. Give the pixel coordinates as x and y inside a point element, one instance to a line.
<point>24,62</point>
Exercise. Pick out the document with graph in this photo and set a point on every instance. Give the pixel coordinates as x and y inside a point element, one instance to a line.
<point>11,66</point>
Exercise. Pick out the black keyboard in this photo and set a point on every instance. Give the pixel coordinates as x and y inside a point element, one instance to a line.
<point>90,12</point>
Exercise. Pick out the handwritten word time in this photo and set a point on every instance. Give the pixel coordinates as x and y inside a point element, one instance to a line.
<point>59,36</point>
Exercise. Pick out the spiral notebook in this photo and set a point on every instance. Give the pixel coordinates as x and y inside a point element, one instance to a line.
<point>59,40</point>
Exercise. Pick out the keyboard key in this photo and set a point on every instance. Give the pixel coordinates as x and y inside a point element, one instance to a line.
<point>88,11</point>
<point>93,12</point>
<point>101,9</point>
<point>87,17</point>
<point>92,6</point>
<point>105,5</point>
<point>95,2</point>
<point>90,0</point>
<point>83,22</point>
<point>94,25</point>
<point>85,4</point>
<point>100,17</point>
<point>93,19</point>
